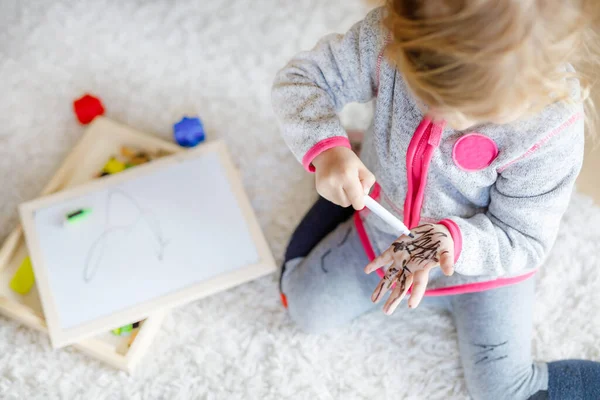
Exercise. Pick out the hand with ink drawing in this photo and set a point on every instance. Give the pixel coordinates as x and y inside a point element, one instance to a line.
<point>409,262</point>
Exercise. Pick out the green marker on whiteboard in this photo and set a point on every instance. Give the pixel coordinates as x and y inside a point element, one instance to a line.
<point>77,216</point>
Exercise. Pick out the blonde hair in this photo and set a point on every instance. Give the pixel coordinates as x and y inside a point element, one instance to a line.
<point>487,57</point>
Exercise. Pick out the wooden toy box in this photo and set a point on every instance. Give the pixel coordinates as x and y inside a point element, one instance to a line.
<point>102,140</point>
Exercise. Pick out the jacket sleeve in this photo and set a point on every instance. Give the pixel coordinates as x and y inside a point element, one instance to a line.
<point>527,203</point>
<point>313,87</point>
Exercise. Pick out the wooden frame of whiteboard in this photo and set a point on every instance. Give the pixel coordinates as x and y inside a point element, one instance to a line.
<point>61,337</point>
<point>102,139</point>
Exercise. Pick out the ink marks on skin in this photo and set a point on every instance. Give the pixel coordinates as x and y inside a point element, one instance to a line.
<point>424,248</point>
<point>426,245</point>
<point>376,296</point>
<point>409,255</point>
<point>488,353</point>
<point>397,293</point>
<point>385,283</point>
<point>405,282</point>
<point>328,252</point>
<point>399,246</point>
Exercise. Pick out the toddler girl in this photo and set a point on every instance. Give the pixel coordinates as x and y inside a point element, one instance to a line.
<point>476,142</point>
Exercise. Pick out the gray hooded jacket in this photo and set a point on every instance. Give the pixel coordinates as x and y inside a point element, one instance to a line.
<point>501,190</point>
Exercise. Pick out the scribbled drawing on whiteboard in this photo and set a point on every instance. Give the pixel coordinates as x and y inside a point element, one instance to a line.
<point>141,217</point>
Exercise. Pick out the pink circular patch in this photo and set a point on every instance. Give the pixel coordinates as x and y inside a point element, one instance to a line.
<point>474,152</point>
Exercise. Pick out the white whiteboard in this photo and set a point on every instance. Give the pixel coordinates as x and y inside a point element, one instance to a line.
<point>148,236</point>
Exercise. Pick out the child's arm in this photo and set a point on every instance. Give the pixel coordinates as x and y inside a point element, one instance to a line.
<point>310,91</point>
<point>526,206</point>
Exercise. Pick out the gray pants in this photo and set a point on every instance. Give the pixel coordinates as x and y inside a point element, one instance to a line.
<point>328,288</point>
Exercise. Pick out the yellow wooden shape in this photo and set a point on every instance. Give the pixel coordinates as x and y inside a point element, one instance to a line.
<point>113,166</point>
<point>23,279</point>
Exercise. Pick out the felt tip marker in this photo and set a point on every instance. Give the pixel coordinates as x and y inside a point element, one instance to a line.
<point>77,216</point>
<point>387,216</point>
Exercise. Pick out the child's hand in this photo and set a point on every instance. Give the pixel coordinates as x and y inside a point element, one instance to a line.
<point>342,178</point>
<point>409,263</point>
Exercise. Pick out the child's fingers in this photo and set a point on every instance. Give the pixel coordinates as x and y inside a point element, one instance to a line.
<point>404,282</point>
<point>367,180</point>
<point>447,262</point>
<point>355,194</point>
<point>384,259</point>
<point>386,282</point>
<point>342,199</point>
<point>332,192</point>
<point>391,275</point>
<point>418,288</point>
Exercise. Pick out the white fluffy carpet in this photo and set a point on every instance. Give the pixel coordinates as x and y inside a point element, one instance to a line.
<point>153,61</point>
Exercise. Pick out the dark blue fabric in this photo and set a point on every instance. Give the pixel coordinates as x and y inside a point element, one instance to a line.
<point>574,380</point>
<point>321,219</point>
<point>541,395</point>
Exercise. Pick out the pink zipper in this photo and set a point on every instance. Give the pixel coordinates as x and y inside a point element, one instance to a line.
<point>420,151</point>
<point>411,158</point>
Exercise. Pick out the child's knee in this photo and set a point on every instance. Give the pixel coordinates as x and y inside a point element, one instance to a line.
<point>307,317</point>
<point>328,288</point>
<point>303,301</point>
<point>484,387</point>
<point>504,383</point>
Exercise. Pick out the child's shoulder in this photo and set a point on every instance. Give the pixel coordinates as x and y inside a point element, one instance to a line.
<point>373,22</point>
<point>375,16</point>
<point>557,124</point>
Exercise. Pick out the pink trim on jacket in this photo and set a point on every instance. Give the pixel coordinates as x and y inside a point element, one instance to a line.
<point>410,158</point>
<point>479,286</point>
<point>365,241</point>
<point>376,191</point>
<point>574,118</point>
<point>364,238</point>
<point>456,236</point>
<point>433,141</point>
<point>322,146</point>
<point>423,144</point>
